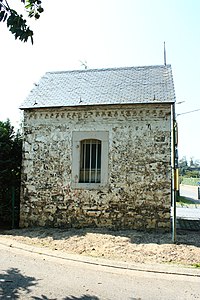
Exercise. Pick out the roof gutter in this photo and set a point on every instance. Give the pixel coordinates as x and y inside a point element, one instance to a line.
<point>98,105</point>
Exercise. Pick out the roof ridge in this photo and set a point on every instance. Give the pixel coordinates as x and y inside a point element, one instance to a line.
<point>109,69</point>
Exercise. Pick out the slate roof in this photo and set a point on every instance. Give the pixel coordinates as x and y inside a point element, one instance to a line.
<point>148,84</point>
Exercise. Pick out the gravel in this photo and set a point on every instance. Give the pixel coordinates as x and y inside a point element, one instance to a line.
<point>128,246</point>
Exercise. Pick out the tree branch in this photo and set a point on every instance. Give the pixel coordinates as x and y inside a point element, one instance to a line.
<point>16,23</point>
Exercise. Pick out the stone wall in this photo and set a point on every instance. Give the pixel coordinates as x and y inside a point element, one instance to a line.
<point>138,193</point>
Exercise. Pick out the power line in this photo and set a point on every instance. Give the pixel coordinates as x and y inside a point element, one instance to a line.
<point>188,112</point>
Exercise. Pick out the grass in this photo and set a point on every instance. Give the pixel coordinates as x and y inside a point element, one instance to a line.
<point>197,265</point>
<point>190,181</point>
<point>184,201</point>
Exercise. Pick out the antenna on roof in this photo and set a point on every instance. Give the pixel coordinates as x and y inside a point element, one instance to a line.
<point>84,64</point>
<point>164,55</point>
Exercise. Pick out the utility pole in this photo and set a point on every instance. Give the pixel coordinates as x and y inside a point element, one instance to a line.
<point>174,173</point>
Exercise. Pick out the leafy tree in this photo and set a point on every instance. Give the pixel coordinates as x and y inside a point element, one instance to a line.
<point>16,22</point>
<point>189,170</point>
<point>183,166</point>
<point>197,163</point>
<point>183,161</point>
<point>10,169</point>
<point>10,154</point>
<point>192,174</point>
<point>191,162</point>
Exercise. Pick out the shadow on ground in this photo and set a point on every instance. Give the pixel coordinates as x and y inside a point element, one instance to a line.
<point>83,297</point>
<point>184,236</point>
<point>12,282</point>
<point>15,285</point>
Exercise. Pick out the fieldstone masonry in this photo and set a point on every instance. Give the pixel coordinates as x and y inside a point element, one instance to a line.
<point>138,192</point>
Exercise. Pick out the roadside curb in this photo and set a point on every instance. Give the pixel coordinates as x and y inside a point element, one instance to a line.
<point>101,262</point>
<point>188,224</point>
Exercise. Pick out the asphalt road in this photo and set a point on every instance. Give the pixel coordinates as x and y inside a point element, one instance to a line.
<point>27,275</point>
<point>188,213</point>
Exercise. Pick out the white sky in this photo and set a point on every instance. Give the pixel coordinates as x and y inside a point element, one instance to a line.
<point>108,33</point>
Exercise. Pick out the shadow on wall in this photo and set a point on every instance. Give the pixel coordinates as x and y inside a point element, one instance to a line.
<point>14,285</point>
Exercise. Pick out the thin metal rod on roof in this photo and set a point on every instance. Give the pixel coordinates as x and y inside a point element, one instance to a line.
<point>165,60</point>
<point>84,64</point>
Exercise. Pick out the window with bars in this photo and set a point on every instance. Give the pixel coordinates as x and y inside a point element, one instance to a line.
<point>90,161</point>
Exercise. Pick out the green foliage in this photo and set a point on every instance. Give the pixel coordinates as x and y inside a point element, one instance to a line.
<point>197,265</point>
<point>189,170</point>
<point>10,174</point>
<point>16,23</point>
<point>192,174</point>
<point>184,201</point>
<point>189,181</point>
<point>183,166</point>
<point>10,156</point>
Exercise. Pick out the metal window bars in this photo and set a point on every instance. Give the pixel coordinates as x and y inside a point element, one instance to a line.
<point>90,161</point>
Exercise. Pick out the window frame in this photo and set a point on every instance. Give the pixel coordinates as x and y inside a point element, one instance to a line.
<point>77,137</point>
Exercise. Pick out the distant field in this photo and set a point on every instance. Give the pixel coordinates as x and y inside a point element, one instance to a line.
<point>190,181</point>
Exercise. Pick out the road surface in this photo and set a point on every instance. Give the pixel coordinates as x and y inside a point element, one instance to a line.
<point>27,275</point>
<point>188,213</point>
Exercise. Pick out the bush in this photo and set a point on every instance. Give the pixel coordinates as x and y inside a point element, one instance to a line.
<point>189,181</point>
<point>10,172</point>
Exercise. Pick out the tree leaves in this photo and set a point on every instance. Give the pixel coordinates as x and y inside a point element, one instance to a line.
<point>18,27</point>
<point>10,154</point>
<point>3,16</point>
<point>16,23</point>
